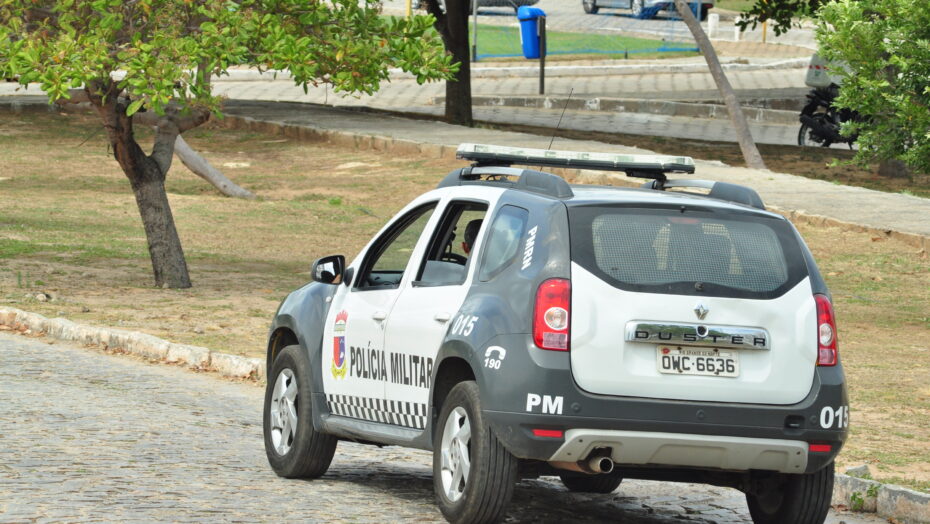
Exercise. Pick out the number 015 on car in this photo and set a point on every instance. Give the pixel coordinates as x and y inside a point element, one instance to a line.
<point>693,361</point>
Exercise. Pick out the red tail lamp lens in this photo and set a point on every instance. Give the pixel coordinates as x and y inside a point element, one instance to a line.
<point>551,316</point>
<point>826,332</point>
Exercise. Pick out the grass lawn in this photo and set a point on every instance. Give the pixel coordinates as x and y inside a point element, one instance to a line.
<point>735,5</point>
<point>69,227</point>
<point>499,41</point>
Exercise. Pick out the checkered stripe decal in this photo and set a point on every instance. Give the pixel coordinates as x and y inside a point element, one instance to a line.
<point>406,414</point>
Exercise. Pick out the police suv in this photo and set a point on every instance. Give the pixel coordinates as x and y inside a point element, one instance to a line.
<point>520,326</point>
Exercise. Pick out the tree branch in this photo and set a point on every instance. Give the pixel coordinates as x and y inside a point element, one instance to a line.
<point>204,170</point>
<point>166,133</point>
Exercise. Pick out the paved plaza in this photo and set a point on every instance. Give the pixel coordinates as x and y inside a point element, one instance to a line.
<point>95,437</point>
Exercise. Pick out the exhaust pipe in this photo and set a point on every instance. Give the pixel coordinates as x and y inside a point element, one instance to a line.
<point>601,464</point>
<point>593,466</point>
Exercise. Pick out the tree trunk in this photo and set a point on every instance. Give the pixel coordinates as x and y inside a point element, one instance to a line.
<point>168,262</point>
<point>452,25</point>
<point>743,135</point>
<point>146,174</point>
<point>893,168</point>
<point>200,167</point>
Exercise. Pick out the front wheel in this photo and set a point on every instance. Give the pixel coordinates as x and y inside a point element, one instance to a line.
<point>473,474</point>
<point>800,499</point>
<point>589,6</point>
<point>293,447</point>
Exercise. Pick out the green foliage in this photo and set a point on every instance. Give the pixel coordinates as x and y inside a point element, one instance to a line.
<point>167,50</point>
<point>779,12</point>
<point>856,501</point>
<point>885,46</point>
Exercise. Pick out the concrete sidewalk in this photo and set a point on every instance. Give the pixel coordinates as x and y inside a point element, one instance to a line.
<point>406,96</point>
<point>815,201</point>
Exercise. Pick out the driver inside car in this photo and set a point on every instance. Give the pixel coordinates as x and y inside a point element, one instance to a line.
<point>471,233</point>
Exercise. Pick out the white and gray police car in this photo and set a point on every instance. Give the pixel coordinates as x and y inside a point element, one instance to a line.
<point>517,326</point>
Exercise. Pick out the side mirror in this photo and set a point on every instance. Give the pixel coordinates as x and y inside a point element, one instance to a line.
<point>328,270</point>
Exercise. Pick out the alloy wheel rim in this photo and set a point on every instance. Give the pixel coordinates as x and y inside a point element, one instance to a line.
<point>284,412</point>
<point>455,454</point>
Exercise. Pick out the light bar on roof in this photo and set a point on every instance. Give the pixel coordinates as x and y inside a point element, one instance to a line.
<point>484,154</point>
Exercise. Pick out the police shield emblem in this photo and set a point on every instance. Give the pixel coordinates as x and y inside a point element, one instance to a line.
<point>339,345</point>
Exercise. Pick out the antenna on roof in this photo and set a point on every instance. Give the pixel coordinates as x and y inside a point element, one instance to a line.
<point>556,130</point>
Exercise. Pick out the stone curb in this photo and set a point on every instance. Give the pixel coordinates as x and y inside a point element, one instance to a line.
<point>631,105</point>
<point>889,501</point>
<point>135,343</point>
<point>732,64</point>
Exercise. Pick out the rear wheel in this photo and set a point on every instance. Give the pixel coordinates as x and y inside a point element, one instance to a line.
<point>582,483</point>
<point>473,475</point>
<point>590,6</point>
<point>800,499</point>
<point>294,448</point>
<point>808,138</point>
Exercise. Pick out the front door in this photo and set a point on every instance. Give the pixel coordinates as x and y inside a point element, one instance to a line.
<point>354,363</point>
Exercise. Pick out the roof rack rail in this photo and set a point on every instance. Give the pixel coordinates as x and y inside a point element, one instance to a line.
<point>643,166</point>
<point>526,179</point>
<point>718,190</point>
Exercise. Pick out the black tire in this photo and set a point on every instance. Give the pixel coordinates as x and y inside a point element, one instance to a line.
<point>309,452</point>
<point>582,483</point>
<point>489,484</point>
<point>799,499</point>
<point>590,6</point>
<point>807,137</point>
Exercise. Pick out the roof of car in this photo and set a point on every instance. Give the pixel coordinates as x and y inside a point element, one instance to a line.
<point>591,194</point>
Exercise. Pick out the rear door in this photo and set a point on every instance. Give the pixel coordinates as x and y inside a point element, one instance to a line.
<point>706,304</point>
<point>427,307</point>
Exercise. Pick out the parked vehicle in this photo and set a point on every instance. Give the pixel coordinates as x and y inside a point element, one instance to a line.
<point>518,326</point>
<point>821,120</point>
<point>418,4</point>
<point>643,9</point>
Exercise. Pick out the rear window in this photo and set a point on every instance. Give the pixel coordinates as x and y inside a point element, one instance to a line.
<point>695,252</point>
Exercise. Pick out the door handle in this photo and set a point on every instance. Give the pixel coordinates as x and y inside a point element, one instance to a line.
<point>442,317</point>
<point>379,315</point>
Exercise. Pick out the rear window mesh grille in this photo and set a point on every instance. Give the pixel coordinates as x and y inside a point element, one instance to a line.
<point>656,250</point>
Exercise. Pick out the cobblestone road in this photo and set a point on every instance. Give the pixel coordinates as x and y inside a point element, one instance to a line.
<point>90,437</point>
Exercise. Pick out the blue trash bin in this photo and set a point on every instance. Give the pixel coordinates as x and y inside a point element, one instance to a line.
<point>529,29</point>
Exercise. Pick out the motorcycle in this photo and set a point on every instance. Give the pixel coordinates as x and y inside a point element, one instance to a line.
<point>821,120</point>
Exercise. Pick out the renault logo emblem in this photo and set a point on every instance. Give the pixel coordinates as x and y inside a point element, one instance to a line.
<point>701,311</point>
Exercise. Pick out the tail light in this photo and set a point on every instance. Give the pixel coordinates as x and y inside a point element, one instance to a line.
<point>551,315</point>
<point>826,332</point>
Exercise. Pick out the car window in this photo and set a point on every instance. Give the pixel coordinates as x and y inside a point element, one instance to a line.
<point>384,266</point>
<point>713,253</point>
<point>503,241</point>
<point>447,258</point>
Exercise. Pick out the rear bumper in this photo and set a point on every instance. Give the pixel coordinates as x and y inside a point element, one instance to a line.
<point>539,392</point>
<point>645,448</point>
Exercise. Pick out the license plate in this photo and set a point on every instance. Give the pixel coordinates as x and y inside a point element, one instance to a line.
<point>674,360</point>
